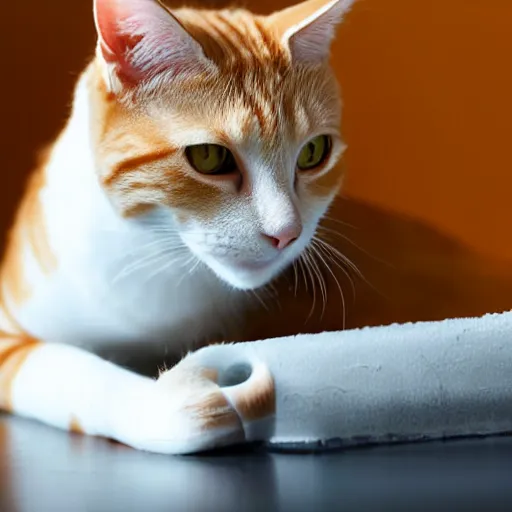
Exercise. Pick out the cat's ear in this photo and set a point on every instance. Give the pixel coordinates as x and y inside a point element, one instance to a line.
<point>140,39</point>
<point>308,28</point>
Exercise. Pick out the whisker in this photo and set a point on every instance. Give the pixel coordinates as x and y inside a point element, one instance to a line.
<point>320,277</point>
<point>341,256</point>
<point>160,241</point>
<point>342,295</point>
<point>272,287</point>
<point>306,259</point>
<point>194,268</point>
<point>139,264</point>
<point>354,244</point>
<point>338,221</point>
<point>335,258</point>
<point>259,299</point>
<point>134,265</point>
<point>300,262</point>
<point>166,243</point>
<point>161,269</point>
<point>346,261</point>
<point>296,278</point>
<point>185,264</point>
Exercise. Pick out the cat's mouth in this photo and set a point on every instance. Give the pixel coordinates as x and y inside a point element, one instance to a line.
<point>246,274</point>
<point>254,265</point>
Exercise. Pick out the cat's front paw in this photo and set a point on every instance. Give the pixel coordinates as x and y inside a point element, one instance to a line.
<point>203,404</point>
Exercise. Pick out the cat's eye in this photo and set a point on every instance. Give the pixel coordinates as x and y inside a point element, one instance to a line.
<point>210,159</point>
<point>314,153</point>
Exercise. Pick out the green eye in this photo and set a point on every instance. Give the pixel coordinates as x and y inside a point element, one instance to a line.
<point>210,159</point>
<point>314,153</point>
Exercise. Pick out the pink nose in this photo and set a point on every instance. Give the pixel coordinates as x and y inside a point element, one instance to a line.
<point>284,238</point>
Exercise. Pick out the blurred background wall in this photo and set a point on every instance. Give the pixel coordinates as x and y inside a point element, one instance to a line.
<point>427,88</point>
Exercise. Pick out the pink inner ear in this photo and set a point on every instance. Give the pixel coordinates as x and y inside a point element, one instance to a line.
<point>142,39</point>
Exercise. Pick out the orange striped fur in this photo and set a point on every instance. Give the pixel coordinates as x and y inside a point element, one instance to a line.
<point>160,83</point>
<point>28,236</point>
<point>262,87</point>
<point>13,352</point>
<point>258,88</point>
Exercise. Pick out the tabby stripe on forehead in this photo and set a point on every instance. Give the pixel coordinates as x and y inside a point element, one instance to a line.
<point>266,39</point>
<point>269,123</point>
<point>242,38</point>
<point>267,126</point>
<point>135,162</point>
<point>260,116</point>
<point>229,44</point>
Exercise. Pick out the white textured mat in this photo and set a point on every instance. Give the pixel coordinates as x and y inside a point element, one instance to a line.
<point>396,383</point>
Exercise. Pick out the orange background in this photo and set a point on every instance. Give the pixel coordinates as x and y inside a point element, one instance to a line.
<point>427,87</point>
<point>428,92</point>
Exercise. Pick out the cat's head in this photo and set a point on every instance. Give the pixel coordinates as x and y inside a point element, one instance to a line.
<point>222,124</point>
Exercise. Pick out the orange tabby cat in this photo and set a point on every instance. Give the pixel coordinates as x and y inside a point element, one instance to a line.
<point>198,160</point>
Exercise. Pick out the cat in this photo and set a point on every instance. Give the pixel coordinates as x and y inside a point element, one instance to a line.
<point>201,153</point>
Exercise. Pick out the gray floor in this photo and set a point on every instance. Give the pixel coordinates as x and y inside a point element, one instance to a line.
<point>42,469</point>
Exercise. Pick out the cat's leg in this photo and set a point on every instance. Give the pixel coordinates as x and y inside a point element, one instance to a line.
<point>184,411</point>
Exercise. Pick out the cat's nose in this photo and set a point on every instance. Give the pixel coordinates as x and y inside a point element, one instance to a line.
<point>284,237</point>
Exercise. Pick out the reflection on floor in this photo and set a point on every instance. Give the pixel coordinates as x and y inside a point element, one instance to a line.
<point>42,469</point>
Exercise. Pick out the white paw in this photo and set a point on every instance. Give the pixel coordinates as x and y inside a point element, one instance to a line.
<point>204,402</point>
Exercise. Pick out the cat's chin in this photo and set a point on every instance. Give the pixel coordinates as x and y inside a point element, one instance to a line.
<point>248,276</point>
